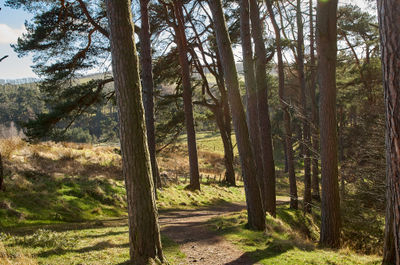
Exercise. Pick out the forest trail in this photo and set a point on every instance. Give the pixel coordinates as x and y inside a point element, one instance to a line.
<point>201,245</point>
<point>189,228</point>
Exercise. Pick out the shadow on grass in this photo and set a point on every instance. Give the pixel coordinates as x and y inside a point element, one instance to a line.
<point>65,227</point>
<point>98,247</point>
<point>260,245</point>
<point>260,254</point>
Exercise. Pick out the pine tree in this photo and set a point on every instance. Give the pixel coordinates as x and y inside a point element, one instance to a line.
<point>144,232</point>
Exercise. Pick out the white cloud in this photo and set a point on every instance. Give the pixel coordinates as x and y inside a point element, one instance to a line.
<point>10,35</point>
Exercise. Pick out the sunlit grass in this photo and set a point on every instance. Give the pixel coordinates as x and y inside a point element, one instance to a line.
<point>289,239</point>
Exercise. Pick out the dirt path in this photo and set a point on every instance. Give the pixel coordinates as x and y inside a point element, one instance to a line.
<point>188,228</point>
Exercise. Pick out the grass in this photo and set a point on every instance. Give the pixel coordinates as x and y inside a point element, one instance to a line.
<point>210,141</point>
<point>290,239</point>
<point>75,192</point>
<point>101,244</point>
<point>176,196</point>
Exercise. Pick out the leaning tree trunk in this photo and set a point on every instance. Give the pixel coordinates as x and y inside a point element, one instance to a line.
<point>251,92</point>
<point>148,87</point>
<point>144,232</point>
<point>306,127</point>
<point>314,112</point>
<point>256,214</point>
<point>187,96</point>
<point>327,48</point>
<point>263,110</point>
<point>285,109</point>
<point>389,17</point>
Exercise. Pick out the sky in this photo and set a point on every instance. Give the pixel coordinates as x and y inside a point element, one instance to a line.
<point>11,27</point>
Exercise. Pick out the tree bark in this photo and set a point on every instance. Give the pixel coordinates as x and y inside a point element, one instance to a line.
<point>144,232</point>
<point>285,109</point>
<point>187,96</point>
<point>263,110</point>
<point>251,93</point>
<point>389,17</point>
<point>314,112</point>
<point>327,49</point>
<point>389,255</point>
<point>228,148</point>
<point>148,87</point>
<point>306,128</point>
<point>341,150</point>
<point>255,212</point>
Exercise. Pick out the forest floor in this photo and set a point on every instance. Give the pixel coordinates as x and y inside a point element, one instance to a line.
<point>64,204</point>
<point>197,241</point>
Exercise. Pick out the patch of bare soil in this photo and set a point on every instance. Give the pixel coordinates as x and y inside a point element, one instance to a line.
<point>188,228</point>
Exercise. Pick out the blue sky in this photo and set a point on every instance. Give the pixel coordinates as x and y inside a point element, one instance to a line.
<point>11,27</point>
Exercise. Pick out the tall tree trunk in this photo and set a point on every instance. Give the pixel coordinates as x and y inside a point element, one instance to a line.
<point>285,109</point>
<point>263,109</point>
<point>389,255</point>
<point>148,87</point>
<point>144,232</point>
<point>389,17</point>
<point>251,91</point>
<point>286,170</point>
<point>327,48</point>
<point>314,112</point>
<point>341,150</point>
<point>255,211</point>
<point>187,96</point>
<point>306,128</point>
<point>228,148</point>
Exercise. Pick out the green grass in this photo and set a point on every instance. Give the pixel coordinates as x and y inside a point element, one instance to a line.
<point>209,141</point>
<point>40,199</point>
<point>289,240</point>
<point>78,211</point>
<point>100,244</point>
<point>176,196</point>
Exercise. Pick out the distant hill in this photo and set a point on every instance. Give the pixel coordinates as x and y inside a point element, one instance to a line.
<point>19,81</point>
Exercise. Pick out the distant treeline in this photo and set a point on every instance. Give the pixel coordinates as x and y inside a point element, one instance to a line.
<point>21,102</point>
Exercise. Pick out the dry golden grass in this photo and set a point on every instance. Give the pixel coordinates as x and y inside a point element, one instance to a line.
<point>175,160</point>
<point>14,259</point>
<point>55,159</point>
<point>9,146</point>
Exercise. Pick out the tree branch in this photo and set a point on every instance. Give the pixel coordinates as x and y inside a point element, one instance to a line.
<point>4,57</point>
<point>92,21</point>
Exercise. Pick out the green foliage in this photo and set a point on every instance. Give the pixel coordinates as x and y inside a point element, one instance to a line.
<point>19,103</point>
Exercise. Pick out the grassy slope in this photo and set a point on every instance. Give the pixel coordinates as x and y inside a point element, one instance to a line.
<point>290,239</point>
<point>55,185</point>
